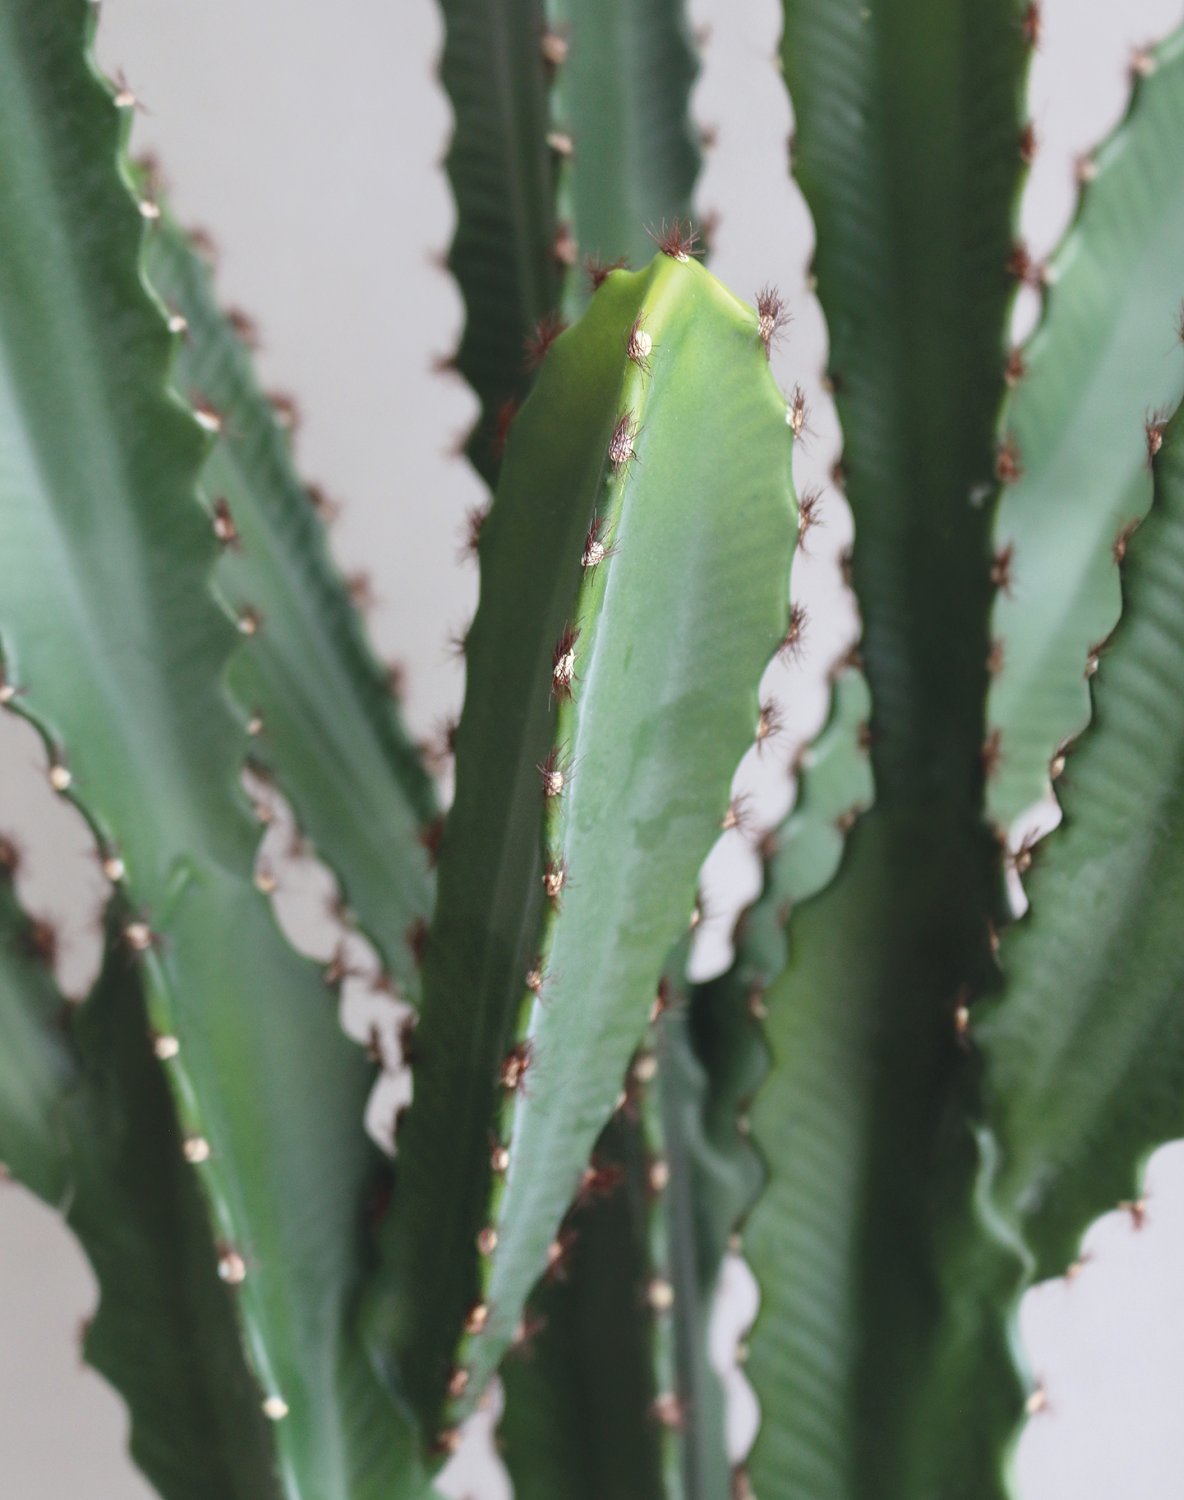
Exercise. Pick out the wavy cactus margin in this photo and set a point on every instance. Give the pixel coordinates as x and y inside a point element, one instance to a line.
<point>864,1104</point>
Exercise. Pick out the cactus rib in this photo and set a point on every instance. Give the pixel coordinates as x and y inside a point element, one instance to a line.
<point>115,649</point>
<point>1089,388</point>
<point>601,559</point>
<point>87,1124</point>
<point>326,724</point>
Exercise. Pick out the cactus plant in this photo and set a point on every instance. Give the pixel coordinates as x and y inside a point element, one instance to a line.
<point>901,1103</point>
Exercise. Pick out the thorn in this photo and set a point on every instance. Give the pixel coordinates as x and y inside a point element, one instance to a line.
<point>554,780</point>
<point>408,1052</point>
<point>1056,766</point>
<point>554,880</point>
<point>658,1176</point>
<point>1137,1209</point>
<point>755,1001</point>
<point>1020,858</point>
<point>139,937</point>
<point>669,1412</point>
<point>41,941</point>
<point>396,680</point>
<point>621,446</point>
<point>1016,367</point>
<point>535,978</point>
<point>1142,64</point>
<point>595,549</point>
<point>506,413</point>
<point>417,940</point>
<point>328,510</point>
<point>600,1180</point>
<point>476,1318</point>
<point>599,271</point>
<point>769,723</point>
<point>1122,539</point>
<point>1031,24</point>
<point>195,1149</point>
<point>659,1294</point>
<point>809,514</point>
<point>285,410</point>
<point>165,1048</point>
<point>178,324</point>
<point>1075,1268</point>
<point>374,1049</point>
<point>791,646</point>
<point>739,814</point>
<point>232,1268</point>
<point>7,691</point>
<point>559,1256</point>
<point>60,778</point>
<point>430,837</point>
<point>995,658</point>
<point>798,414</point>
<point>244,326</point>
<point>772,316</point>
<point>1028,144</point>
<point>265,880</point>
<point>499,1158</point>
<point>991,754</point>
<point>554,47</point>
<point>487,1240</point>
<point>471,534</point>
<point>1021,267</point>
<point>458,642</point>
<point>676,238</point>
<point>563,664</point>
<point>248,621</point>
<point>846,821</point>
<point>564,248</point>
<point>845,559</point>
<point>202,242</point>
<point>1153,427</point>
<point>561,143</point>
<point>708,136</point>
<point>205,415</point>
<point>515,1066</point>
<point>458,1382</point>
<point>639,345</point>
<point>360,588</point>
<point>224,527</point>
<point>538,343</point>
<point>254,726</point>
<point>525,1333</point>
<point>1036,1402</point>
<point>1085,169</point>
<point>962,1016</point>
<point>645,1069</point>
<point>1001,569</point>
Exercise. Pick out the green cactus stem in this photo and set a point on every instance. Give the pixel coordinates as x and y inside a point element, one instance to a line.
<point>323,719</point>
<point>582,815</point>
<point>1090,389</point>
<point>115,649</point>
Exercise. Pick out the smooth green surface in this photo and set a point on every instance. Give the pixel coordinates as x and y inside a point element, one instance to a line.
<point>1083,1051</point>
<point>908,123</point>
<point>675,626</point>
<point>86,1122</point>
<point>502,175</point>
<point>623,98</point>
<point>109,631</point>
<point>1106,358</point>
<point>332,735</point>
<point>578,1418</point>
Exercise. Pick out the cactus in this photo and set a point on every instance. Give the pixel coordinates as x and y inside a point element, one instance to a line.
<point>902,1113</point>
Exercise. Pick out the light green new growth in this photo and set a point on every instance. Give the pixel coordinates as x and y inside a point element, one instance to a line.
<point>606,564</point>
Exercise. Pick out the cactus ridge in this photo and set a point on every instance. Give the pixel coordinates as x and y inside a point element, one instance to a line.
<point>558,622</point>
<point>1088,395</point>
<point>115,650</point>
<point>86,1123</point>
<point>323,721</point>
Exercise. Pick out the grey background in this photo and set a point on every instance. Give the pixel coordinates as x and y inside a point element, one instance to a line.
<point>306,137</point>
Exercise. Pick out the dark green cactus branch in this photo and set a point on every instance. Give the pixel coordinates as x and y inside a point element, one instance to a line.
<point>115,649</point>
<point>1090,388</point>
<point>1083,1051</point>
<point>323,718</point>
<point>501,168</point>
<point>579,1418</point>
<point>582,817</point>
<point>629,156</point>
<point>909,147</point>
<point>86,1122</point>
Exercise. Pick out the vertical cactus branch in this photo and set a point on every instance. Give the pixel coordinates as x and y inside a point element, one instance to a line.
<point>628,155</point>
<point>327,726</point>
<point>1083,1050</point>
<point>86,1122</point>
<point>908,149</point>
<point>502,174</point>
<point>113,646</point>
<point>569,860</point>
<point>1090,389</point>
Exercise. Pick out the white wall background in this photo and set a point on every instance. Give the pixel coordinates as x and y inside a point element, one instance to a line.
<point>305,137</point>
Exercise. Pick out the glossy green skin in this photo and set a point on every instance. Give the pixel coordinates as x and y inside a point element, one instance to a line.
<point>908,124</point>
<point>502,175</point>
<point>663,704</point>
<point>1106,357</point>
<point>110,632</point>
<point>102,1144</point>
<point>623,98</point>
<point>332,735</point>
<point>1083,1050</point>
